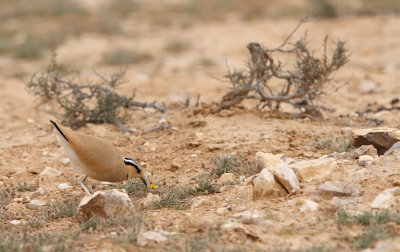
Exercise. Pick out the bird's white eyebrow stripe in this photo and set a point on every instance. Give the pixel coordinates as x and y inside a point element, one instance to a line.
<point>133,162</point>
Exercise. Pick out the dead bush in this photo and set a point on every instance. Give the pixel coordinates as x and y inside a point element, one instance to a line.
<point>80,103</point>
<point>272,83</point>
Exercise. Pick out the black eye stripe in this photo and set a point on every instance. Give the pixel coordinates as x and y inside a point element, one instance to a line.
<point>134,163</point>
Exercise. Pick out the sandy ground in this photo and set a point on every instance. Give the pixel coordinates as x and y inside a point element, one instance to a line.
<point>28,143</point>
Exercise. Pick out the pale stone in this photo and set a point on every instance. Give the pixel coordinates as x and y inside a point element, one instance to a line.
<point>233,226</point>
<point>269,160</point>
<point>36,204</point>
<point>175,166</point>
<point>151,198</point>
<point>388,245</point>
<point>50,172</point>
<point>253,216</point>
<point>203,222</point>
<point>226,178</point>
<point>365,160</point>
<point>309,206</point>
<point>106,204</point>
<point>361,171</point>
<point>65,161</point>
<point>194,155</point>
<point>222,211</point>
<point>286,177</point>
<point>386,199</point>
<point>395,148</point>
<point>265,186</point>
<point>144,237</point>
<point>63,186</point>
<point>39,191</point>
<point>199,202</point>
<point>30,120</point>
<point>356,153</point>
<point>339,189</point>
<point>368,87</point>
<point>15,222</point>
<point>308,170</point>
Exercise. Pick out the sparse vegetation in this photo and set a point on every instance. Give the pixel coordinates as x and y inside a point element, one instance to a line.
<point>24,240</point>
<point>6,194</point>
<point>65,208</point>
<point>234,163</point>
<point>374,223</point>
<point>135,188</point>
<point>339,145</point>
<point>201,243</point>
<point>79,104</point>
<point>177,197</point>
<point>24,187</point>
<point>177,46</point>
<point>300,87</point>
<point>126,57</point>
<point>373,234</point>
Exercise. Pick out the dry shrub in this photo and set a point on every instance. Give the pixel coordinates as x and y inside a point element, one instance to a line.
<point>271,83</point>
<point>81,103</point>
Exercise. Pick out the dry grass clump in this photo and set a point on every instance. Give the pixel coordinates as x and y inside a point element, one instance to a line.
<point>126,57</point>
<point>373,224</point>
<point>233,163</point>
<point>272,84</point>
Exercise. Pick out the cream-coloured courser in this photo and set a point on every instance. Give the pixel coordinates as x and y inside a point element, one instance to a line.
<point>97,158</point>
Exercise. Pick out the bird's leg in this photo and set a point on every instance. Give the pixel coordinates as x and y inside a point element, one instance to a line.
<point>81,181</point>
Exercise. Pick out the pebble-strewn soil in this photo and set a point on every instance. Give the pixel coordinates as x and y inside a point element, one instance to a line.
<point>182,154</point>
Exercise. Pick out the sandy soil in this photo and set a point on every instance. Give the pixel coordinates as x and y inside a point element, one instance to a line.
<point>28,143</point>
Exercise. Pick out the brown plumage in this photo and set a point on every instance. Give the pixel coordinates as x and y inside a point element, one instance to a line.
<point>97,158</point>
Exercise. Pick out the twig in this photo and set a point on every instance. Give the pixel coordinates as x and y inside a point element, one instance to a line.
<point>163,126</point>
<point>303,20</point>
<point>154,105</point>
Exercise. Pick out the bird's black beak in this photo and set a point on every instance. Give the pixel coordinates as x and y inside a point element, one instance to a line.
<point>144,181</point>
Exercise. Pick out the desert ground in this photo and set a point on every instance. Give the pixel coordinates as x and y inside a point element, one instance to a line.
<point>182,49</point>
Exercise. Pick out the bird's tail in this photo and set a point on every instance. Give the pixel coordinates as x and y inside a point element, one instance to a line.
<point>59,130</point>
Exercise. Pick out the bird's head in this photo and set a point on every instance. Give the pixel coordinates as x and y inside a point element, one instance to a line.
<point>134,170</point>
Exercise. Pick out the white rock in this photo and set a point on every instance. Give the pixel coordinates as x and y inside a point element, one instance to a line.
<point>233,226</point>
<point>386,199</point>
<point>339,189</point>
<point>50,172</point>
<point>265,186</point>
<point>36,204</point>
<point>368,87</point>
<point>45,154</point>
<point>222,211</point>
<point>269,160</point>
<point>15,222</point>
<point>199,202</point>
<point>308,170</point>
<point>193,155</point>
<point>106,204</point>
<point>30,120</point>
<point>255,216</point>
<point>39,191</point>
<point>286,177</point>
<point>309,206</point>
<point>361,171</point>
<point>388,245</point>
<point>365,160</point>
<point>226,178</point>
<point>63,186</point>
<point>65,161</point>
<point>144,237</point>
<point>151,198</point>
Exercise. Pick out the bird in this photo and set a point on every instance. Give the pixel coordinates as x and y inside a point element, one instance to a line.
<point>97,158</point>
